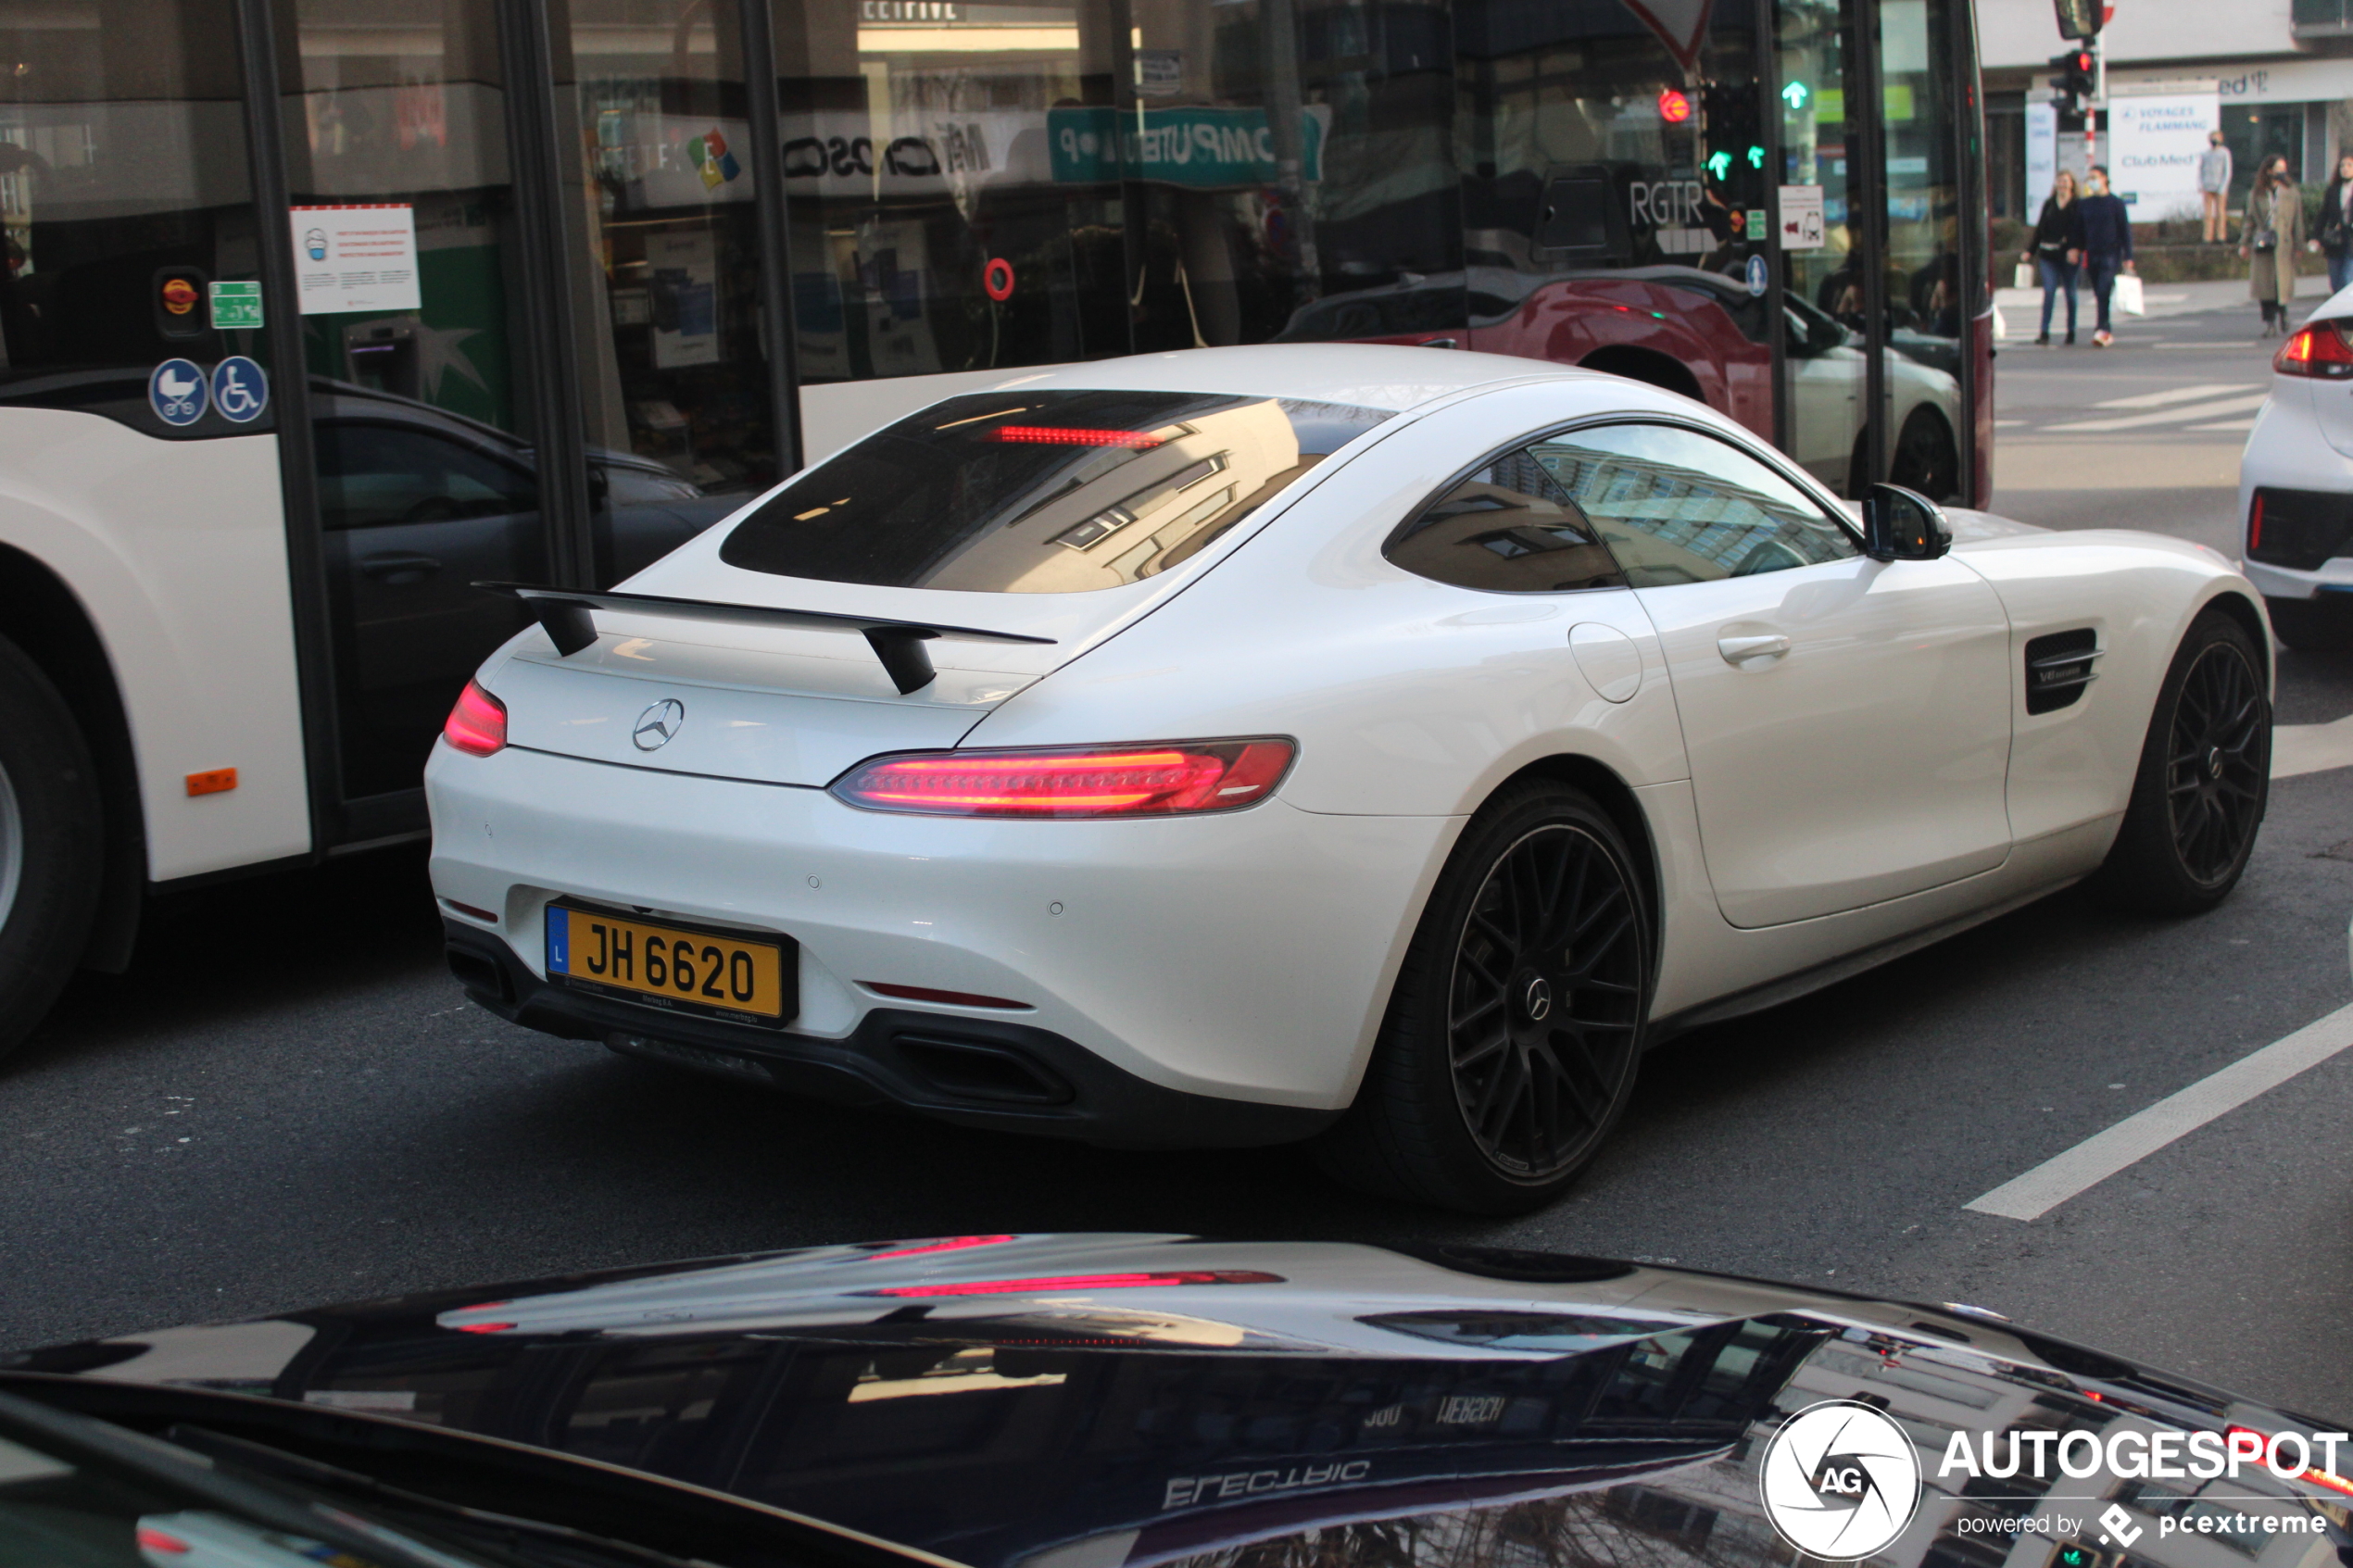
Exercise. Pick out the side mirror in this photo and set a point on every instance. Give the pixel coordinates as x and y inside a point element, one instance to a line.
<point>1900,524</point>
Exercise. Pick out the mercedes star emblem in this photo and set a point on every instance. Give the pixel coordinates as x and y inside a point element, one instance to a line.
<point>656,724</point>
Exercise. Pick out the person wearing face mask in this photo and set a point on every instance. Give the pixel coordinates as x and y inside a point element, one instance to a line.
<point>2214,188</point>
<point>2107,246</point>
<point>2269,235</point>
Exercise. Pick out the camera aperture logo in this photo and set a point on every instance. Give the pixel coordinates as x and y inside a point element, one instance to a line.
<point>1840,1481</point>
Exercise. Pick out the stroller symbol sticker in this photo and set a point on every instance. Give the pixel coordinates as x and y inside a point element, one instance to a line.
<point>238,390</point>
<point>176,392</point>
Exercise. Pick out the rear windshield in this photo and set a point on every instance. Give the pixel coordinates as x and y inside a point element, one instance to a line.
<point>1040,492</point>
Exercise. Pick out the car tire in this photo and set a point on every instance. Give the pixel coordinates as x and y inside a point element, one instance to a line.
<point>2315,625</point>
<point>2204,778</point>
<point>1509,1048</point>
<point>1925,457</point>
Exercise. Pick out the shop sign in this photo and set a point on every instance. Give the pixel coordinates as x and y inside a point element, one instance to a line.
<point>2156,142</point>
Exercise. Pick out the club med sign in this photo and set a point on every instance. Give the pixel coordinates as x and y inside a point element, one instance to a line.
<point>2156,140</point>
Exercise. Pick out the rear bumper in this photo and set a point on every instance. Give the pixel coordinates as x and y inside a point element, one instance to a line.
<point>1197,981</point>
<point>975,1072</point>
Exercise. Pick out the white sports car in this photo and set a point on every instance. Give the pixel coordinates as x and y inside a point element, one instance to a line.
<point>1356,743</point>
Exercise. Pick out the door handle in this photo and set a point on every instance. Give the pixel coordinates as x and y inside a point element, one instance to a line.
<point>1743,651</point>
<point>1439,342</point>
<point>398,568</point>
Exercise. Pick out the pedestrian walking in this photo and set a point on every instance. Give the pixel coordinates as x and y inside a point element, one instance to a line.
<point>2214,187</point>
<point>2335,228</point>
<point>2107,246</point>
<point>2056,250</point>
<point>2269,235</point>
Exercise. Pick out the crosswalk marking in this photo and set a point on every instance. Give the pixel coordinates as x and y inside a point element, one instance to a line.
<point>2246,404</point>
<point>2175,394</point>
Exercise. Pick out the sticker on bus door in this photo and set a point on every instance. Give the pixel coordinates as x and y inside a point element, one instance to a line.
<point>356,258</point>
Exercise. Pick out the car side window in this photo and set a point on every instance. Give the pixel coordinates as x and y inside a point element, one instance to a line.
<point>371,475</point>
<point>1676,506</point>
<point>1507,528</point>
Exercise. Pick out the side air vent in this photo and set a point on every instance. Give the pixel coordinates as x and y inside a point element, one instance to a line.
<point>2057,669</point>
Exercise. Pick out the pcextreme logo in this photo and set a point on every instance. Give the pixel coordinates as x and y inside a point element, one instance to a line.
<point>1840,1481</point>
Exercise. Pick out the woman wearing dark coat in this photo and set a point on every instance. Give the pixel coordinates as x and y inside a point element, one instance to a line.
<point>2269,235</point>
<point>2057,249</point>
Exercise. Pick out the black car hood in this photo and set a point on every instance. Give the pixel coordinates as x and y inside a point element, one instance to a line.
<point>1118,1401</point>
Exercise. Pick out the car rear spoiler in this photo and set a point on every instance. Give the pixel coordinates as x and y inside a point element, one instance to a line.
<point>563,614</point>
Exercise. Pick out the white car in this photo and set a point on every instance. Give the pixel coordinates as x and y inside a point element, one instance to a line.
<point>1348,742</point>
<point>2295,484</point>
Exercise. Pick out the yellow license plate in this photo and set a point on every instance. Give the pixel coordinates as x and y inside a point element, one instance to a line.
<point>715,974</point>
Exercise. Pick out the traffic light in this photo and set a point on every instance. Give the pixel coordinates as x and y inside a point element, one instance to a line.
<point>2075,82</point>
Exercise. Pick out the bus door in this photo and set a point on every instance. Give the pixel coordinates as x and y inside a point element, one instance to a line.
<point>489,400</point>
<point>402,218</point>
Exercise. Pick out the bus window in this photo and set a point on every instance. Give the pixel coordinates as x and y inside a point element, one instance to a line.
<point>666,271</point>
<point>1294,173</point>
<point>954,186</point>
<point>124,201</point>
<point>1614,203</point>
<point>393,119</point>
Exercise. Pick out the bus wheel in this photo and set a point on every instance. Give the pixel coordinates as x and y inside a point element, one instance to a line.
<point>52,844</point>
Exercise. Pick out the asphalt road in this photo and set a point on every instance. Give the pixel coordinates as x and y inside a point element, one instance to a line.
<point>288,1102</point>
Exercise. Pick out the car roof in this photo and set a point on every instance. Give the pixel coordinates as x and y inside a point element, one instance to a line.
<point>1368,375</point>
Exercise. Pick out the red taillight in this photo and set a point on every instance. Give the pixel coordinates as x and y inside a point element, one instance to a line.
<point>1073,436</point>
<point>1125,780</point>
<point>152,1539</point>
<point>1083,1281</point>
<point>2255,524</point>
<point>482,1327</point>
<point>2317,350</point>
<point>477,726</point>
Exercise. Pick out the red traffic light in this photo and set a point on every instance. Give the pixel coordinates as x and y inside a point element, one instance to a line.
<point>1673,106</point>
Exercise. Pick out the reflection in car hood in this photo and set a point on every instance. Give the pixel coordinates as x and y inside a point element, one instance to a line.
<point>1115,1401</point>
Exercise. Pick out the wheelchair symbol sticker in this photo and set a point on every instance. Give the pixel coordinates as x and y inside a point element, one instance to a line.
<point>238,390</point>
<point>176,392</point>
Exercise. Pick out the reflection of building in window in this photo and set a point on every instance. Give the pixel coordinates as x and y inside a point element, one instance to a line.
<point>1149,512</point>
<point>1508,529</point>
<point>1669,524</point>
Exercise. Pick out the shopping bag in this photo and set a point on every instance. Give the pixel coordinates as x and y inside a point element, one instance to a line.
<point>2023,277</point>
<point>2128,296</point>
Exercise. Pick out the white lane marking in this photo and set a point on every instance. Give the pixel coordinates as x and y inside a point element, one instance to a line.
<point>2136,1137</point>
<point>2311,749</point>
<point>2226,424</point>
<point>2242,405</point>
<point>2174,395</point>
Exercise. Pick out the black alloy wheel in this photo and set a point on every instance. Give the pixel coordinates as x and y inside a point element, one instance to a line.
<point>1545,999</point>
<point>1517,1019</point>
<point>2217,758</point>
<point>2204,778</point>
